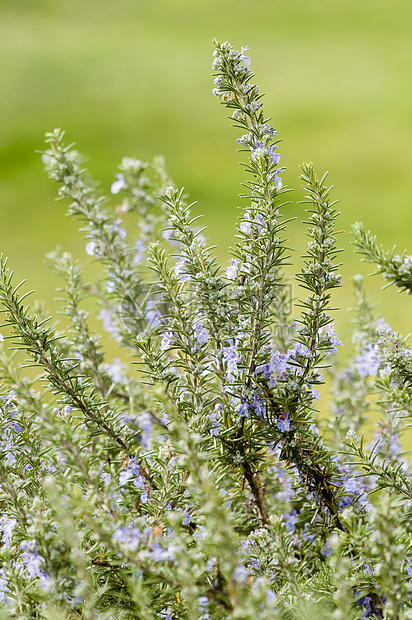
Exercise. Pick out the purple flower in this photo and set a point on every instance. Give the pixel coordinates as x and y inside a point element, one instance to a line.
<point>160,555</point>
<point>106,477</point>
<point>283,424</point>
<point>259,222</point>
<point>244,139</point>
<point>352,485</point>
<point>91,248</point>
<point>275,156</point>
<point>326,549</point>
<point>166,341</point>
<point>365,602</point>
<point>299,349</point>
<point>246,226</point>
<point>139,482</point>
<point>231,357</point>
<point>6,527</point>
<point>258,151</point>
<point>110,286</point>
<point>33,563</point>
<point>203,603</point>
<point>240,574</point>
<point>277,367</point>
<point>186,517</point>
<point>369,361</point>
<point>11,459</point>
<point>332,337</point>
<point>231,271</point>
<point>259,407</point>
<point>125,476</point>
<point>117,228</point>
<point>128,536</point>
<point>291,519</point>
<point>215,417</point>
<point>315,394</point>
<point>278,180</point>
<point>244,57</point>
<point>200,332</point>
<point>243,409</point>
<point>119,184</point>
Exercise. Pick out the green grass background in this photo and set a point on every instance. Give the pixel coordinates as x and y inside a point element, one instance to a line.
<point>132,77</point>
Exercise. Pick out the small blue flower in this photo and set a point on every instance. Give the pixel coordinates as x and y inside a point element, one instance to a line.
<point>231,271</point>
<point>201,333</point>
<point>352,486</point>
<point>166,341</point>
<point>291,519</point>
<point>259,407</point>
<point>231,357</point>
<point>110,286</point>
<point>119,184</point>
<point>278,181</point>
<point>215,417</point>
<point>240,574</point>
<point>368,362</point>
<point>117,228</point>
<point>332,336</point>
<point>246,226</point>
<point>186,517</point>
<point>243,409</point>
<point>272,152</point>
<point>91,248</point>
<point>244,57</point>
<point>106,477</point>
<point>283,424</point>
<point>125,476</point>
<point>326,549</point>
<point>160,555</point>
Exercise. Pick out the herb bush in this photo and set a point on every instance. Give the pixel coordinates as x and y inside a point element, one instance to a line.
<point>200,483</point>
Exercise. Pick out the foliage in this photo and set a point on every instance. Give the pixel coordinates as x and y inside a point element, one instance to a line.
<point>202,483</point>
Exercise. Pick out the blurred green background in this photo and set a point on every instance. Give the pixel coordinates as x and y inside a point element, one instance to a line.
<point>132,77</point>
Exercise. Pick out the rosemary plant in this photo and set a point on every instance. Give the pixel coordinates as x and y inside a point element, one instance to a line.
<point>193,476</point>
